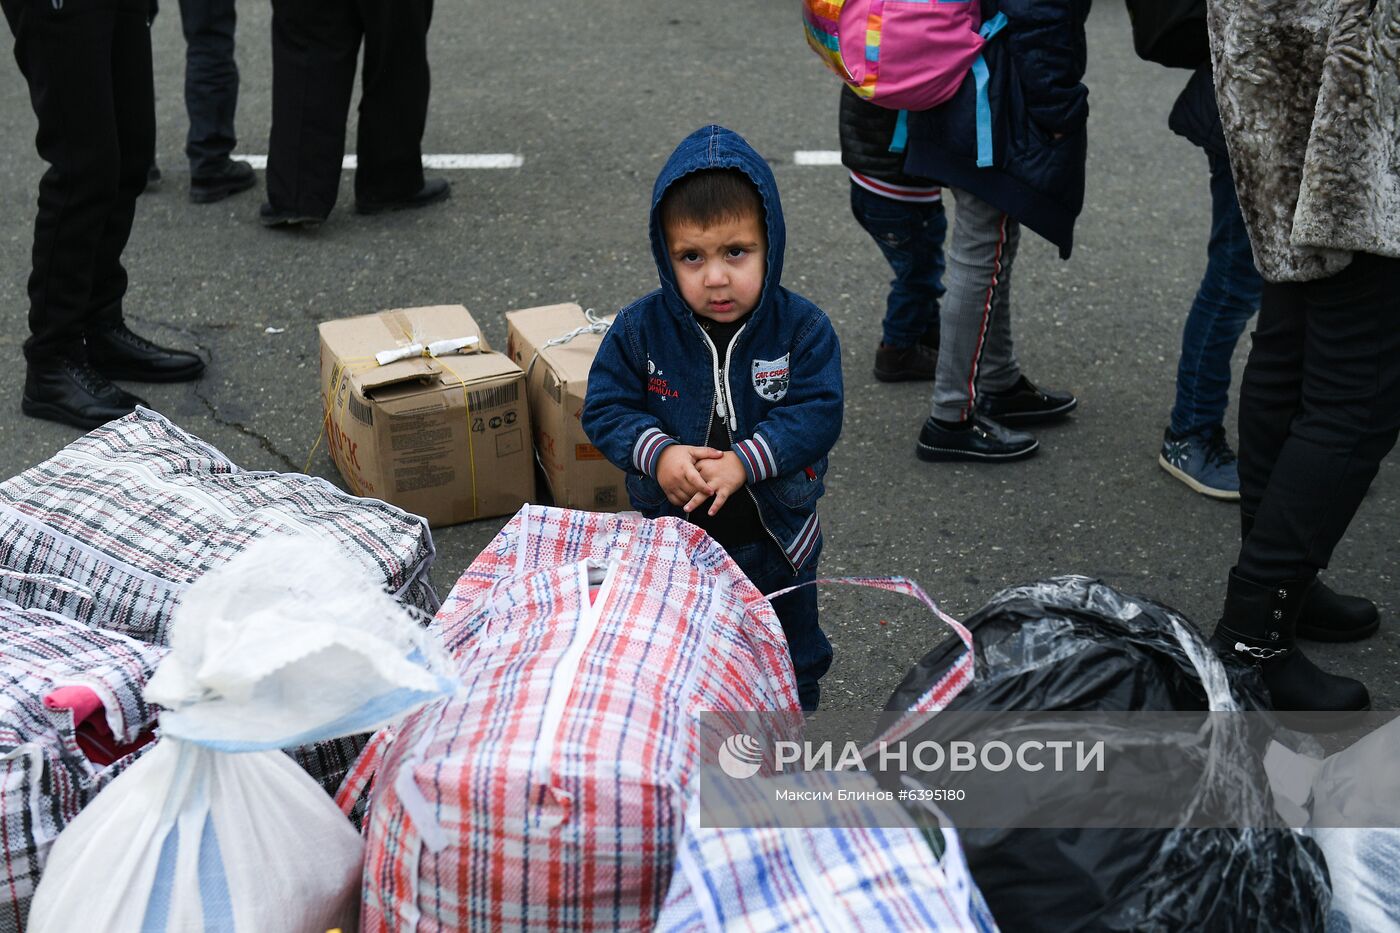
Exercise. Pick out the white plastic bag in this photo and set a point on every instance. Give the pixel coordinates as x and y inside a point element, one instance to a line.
<point>215,830</point>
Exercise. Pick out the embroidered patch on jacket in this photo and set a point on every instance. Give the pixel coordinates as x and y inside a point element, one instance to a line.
<point>657,384</point>
<point>770,378</point>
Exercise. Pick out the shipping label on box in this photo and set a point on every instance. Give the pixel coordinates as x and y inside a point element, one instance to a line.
<point>579,476</point>
<point>445,437</point>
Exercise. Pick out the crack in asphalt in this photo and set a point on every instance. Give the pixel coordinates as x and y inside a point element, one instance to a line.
<point>263,440</point>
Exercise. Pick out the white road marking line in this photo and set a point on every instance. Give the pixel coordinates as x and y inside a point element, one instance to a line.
<point>816,157</point>
<point>449,161</point>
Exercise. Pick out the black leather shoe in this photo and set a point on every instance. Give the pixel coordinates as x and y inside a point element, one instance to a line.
<point>983,439</point>
<point>117,353</point>
<point>1025,403</point>
<point>229,178</point>
<point>270,216</point>
<point>905,364</point>
<point>1331,616</point>
<point>433,190</point>
<point>74,393</point>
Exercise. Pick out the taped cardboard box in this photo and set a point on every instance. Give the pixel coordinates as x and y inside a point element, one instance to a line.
<point>445,437</point>
<point>579,476</point>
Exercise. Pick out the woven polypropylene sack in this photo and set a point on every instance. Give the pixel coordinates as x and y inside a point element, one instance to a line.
<point>133,513</point>
<point>551,792</point>
<point>45,778</point>
<point>139,509</point>
<point>866,867</point>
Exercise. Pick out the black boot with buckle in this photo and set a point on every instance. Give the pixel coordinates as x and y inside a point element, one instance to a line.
<point>1259,625</point>
<point>1327,615</point>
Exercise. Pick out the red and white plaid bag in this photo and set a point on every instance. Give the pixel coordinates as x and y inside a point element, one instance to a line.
<point>550,792</point>
<point>46,775</point>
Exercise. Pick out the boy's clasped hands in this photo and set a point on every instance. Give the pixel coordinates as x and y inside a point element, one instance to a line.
<point>690,475</point>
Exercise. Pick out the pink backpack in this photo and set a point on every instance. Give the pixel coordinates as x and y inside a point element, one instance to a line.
<point>900,54</point>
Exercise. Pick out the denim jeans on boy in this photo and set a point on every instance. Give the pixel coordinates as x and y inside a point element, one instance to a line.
<point>768,570</point>
<point>1227,299</point>
<point>911,237</point>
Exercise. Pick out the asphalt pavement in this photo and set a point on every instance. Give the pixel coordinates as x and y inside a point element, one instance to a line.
<point>593,101</point>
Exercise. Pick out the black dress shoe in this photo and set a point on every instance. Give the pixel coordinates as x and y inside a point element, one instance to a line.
<point>981,439</point>
<point>74,393</point>
<point>1025,403</point>
<point>433,190</point>
<point>270,216</point>
<point>229,178</point>
<point>117,353</point>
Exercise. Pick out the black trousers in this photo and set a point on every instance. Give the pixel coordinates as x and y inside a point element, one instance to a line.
<point>1319,411</point>
<point>88,65</point>
<point>211,82</point>
<point>314,47</point>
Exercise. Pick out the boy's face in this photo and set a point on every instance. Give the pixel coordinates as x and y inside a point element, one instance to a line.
<point>719,269</point>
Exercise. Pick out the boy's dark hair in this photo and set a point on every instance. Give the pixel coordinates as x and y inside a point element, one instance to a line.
<point>710,196</point>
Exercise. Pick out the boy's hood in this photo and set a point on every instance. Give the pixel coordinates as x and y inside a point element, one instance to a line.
<point>716,147</point>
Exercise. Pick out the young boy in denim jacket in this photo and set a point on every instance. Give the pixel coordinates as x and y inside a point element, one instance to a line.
<point>720,392</point>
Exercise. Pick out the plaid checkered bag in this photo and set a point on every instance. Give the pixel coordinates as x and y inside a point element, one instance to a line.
<point>133,513</point>
<point>45,778</point>
<point>865,867</point>
<point>137,510</point>
<point>550,792</point>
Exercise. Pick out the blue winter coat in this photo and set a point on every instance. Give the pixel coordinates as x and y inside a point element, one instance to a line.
<point>1035,88</point>
<point>657,378</point>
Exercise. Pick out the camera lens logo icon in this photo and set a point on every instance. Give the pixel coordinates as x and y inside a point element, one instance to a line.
<point>740,756</point>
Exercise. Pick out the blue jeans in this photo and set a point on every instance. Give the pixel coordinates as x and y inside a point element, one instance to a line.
<point>911,237</point>
<point>1226,300</point>
<point>811,653</point>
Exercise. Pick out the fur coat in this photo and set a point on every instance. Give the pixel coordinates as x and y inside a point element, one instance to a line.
<point>1309,94</point>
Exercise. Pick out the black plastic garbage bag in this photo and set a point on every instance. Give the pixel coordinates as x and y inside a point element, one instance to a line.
<point>1072,644</point>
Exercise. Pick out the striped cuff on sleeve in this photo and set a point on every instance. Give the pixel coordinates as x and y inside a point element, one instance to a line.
<point>648,449</point>
<point>757,458</point>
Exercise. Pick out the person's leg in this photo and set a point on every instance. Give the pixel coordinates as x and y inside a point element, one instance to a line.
<point>974,326</point>
<point>811,652</point>
<point>394,102</point>
<point>133,107</point>
<point>1227,298</point>
<point>68,64</point>
<point>911,238</point>
<point>1347,420</point>
<point>971,337</point>
<point>315,46</point>
<point>211,82</point>
<point>1271,390</point>
<point>1194,446</point>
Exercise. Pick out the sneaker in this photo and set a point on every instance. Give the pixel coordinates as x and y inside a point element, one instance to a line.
<point>983,439</point>
<point>228,179</point>
<point>1025,403</point>
<point>1202,460</point>
<point>903,364</point>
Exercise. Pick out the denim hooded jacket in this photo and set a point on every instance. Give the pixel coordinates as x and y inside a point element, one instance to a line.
<point>657,378</point>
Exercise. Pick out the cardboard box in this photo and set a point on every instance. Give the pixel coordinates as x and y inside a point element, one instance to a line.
<point>447,438</point>
<point>579,476</point>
